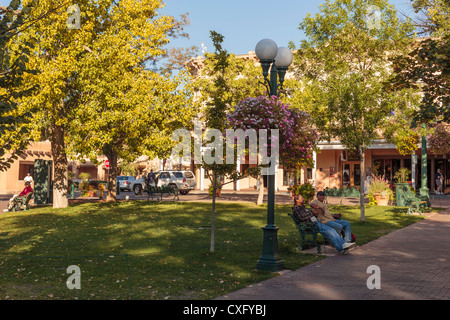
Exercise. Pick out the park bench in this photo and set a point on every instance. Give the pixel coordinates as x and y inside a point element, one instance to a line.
<point>304,229</point>
<point>162,190</point>
<point>152,191</point>
<point>22,202</point>
<point>416,205</point>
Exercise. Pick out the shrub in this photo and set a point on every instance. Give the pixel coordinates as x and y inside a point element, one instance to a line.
<point>306,190</point>
<point>379,185</point>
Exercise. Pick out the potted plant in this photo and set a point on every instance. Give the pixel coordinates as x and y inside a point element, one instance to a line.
<point>379,189</point>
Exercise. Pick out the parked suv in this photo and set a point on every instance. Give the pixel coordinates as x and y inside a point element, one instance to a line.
<point>125,182</point>
<point>183,180</point>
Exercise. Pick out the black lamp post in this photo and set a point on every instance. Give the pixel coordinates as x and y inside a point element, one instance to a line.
<point>278,60</point>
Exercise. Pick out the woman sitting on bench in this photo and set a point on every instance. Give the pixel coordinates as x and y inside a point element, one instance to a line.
<point>24,192</point>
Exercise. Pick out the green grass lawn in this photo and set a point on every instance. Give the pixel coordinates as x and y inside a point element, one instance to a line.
<point>151,250</point>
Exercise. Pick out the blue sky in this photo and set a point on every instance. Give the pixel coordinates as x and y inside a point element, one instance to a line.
<point>244,22</point>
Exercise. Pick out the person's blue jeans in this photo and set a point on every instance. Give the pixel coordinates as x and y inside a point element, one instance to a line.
<point>340,225</point>
<point>330,233</point>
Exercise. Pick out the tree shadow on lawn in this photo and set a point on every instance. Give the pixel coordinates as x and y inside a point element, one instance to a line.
<point>146,250</point>
<point>152,250</point>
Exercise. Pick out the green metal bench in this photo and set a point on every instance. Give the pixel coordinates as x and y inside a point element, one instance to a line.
<point>162,190</point>
<point>22,203</point>
<point>307,228</point>
<point>152,191</point>
<point>170,190</point>
<point>416,205</point>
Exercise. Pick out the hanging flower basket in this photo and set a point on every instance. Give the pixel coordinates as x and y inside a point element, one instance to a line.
<point>439,141</point>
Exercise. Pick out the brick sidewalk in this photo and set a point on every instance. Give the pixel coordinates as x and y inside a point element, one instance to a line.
<point>414,264</point>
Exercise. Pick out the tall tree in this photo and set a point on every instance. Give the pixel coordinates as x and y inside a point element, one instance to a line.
<point>216,98</point>
<point>427,65</point>
<point>78,53</point>
<point>13,121</point>
<point>229,78</point>
<point>344,58</point>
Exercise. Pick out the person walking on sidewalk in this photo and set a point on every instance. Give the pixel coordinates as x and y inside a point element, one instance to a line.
<point>303,214</point>
<point>331,220</point>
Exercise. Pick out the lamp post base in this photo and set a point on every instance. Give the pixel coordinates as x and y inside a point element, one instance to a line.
<point>270,260</point>
<point>425,196</point>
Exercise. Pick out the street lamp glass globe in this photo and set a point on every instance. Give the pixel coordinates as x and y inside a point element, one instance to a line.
<point>284,57</point>
<point>266,49</point>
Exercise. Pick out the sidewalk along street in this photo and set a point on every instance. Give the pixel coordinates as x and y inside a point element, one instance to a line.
<point>250,196</point>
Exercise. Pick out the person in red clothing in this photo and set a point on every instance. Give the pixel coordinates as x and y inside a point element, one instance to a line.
<point>24,192</point>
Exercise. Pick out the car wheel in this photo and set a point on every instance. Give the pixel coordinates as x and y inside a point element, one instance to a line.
<point>137,189</point>
<point>184,192</point>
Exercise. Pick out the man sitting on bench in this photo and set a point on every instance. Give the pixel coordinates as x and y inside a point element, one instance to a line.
<point>303,215</point>
<point>331,220</point>
<point>24,192</point>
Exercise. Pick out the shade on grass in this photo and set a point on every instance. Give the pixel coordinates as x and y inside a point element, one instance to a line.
<point>153,250</point>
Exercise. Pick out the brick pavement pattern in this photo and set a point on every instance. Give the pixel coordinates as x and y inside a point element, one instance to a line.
<point>414,264</point>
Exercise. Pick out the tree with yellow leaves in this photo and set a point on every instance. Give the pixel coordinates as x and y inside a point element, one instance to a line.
<point>96,95</point>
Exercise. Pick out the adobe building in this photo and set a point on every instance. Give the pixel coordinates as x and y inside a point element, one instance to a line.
<point>336,167</point>
<point>12,180</point>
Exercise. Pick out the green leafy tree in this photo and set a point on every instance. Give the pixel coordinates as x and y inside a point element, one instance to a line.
<point>397,125</point>
<point>95,72</point>
<point>426,66</point>
<point>344,58</point>
<point>13,65</point>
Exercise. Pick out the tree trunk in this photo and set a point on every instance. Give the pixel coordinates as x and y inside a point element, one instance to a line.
<point>213,214</point>
<point>261,185</point>
<point>112,176</point>
<point>60,180</point>
<point>363,182</point>
<point>261,190</point>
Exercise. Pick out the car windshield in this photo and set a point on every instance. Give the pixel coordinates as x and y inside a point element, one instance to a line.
<point>189,175</point>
